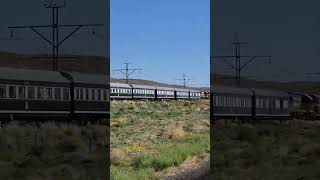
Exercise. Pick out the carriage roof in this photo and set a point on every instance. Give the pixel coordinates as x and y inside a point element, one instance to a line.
<point>31,75</point>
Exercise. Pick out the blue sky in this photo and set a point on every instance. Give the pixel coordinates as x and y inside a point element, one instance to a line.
<point>165,38</point>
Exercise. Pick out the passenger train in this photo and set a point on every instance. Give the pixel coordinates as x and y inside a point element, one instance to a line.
<point>134,91</point>
<point>29,94</point>
<point>250,103</point>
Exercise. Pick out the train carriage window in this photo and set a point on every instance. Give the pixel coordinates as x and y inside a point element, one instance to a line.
<point>80,93</point>
<point>277,104</point>
<point>101,92</point>
<point>66,94</point>
<point>57,93</point>
<point>21,92</point>
<point>3,91</point>
<point>48,93</point>
<point>84,94</point>
<point>232,101</point>
<point>40,93</point>
<point>12,92</point>
<point>31,92</point>
<point>215,100</point>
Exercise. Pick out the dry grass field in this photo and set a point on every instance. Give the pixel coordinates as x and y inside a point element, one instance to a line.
<point>266,151</point>
<point>50,152</point>
<point>149,138</point>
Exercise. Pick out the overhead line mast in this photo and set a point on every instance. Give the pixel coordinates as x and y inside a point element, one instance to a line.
<point>238,67</point>
<point>54,41</point>
<point>184,80</point>
<point>127,71</point>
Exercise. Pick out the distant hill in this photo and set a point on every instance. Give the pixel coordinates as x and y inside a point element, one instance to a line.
<point>85,64</point>
<point>153,83</point>
<point>292,86</point>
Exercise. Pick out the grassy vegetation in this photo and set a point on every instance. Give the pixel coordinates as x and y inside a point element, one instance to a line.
<point>147,138</point>
<point>266,151</point>
<point>52,152</point>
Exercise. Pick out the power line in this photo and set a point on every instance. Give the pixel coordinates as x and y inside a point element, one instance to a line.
<point>184,80</point>
<point>127,71</point>
<point>238,67</point>
<point>54,40</point>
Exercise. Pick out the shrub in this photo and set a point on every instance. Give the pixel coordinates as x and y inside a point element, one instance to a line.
<point>71,144</point>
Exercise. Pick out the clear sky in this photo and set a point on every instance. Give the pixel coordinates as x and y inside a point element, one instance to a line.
<point>165,38</point>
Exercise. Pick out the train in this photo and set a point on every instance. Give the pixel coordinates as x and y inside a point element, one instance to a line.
<point>51,95</point>
<point>252,104</point>
<point>122,91</point>
<point>27,94</point>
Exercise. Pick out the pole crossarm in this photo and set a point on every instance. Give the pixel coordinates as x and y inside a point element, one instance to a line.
<point>217,57</point>
<point>253,58</point>
<point>120,70</point>
<point>50,26</point>
<point>41,35</point>
<point>69,35</point>
<point>134,70</point>
<point>34,29</point>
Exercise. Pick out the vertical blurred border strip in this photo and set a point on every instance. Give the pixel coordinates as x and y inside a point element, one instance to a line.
<point>211,88</point>
<point>108,164</point>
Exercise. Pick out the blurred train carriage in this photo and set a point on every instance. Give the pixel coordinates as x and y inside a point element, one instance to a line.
<point>244,103</point>
<point>50,95</point>
<point>301,106</point>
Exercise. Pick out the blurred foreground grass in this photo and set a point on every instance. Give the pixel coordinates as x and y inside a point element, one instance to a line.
<point>147,138</point>
<point>58,151</point>
<point>266,151</point>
